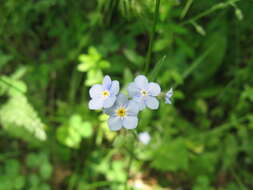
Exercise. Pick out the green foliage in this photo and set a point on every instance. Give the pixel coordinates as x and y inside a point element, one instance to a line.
<point>17,115</point>
<point>10,176</point>
<point>38,171</point>
<point>52,51</point>
<point>174,162</point>
<point>72,133</point>
<point>93,64</point>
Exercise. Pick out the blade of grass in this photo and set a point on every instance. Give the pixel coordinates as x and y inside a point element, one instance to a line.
<point>152,35</point>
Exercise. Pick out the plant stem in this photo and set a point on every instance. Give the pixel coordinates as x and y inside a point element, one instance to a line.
<point>130,161</point>
<point>129,164</point>
<point>211,10</point>
<point>149,54</point>
<point>186,8</point>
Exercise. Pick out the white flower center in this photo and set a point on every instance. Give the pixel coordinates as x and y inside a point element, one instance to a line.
<point>144,92</point>
<point>105,93</point>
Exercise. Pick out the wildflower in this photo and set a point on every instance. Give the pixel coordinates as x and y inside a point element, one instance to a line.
<point>144,137</point>
<point>103,96</point>
<point>122,114</point>
<point>168,96</point>
<point>144,92</point>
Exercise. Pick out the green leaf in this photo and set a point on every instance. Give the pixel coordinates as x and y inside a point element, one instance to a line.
<point>133,57</point>
<point>72,133</point>
<point>46,170</point>
<point>20,119</point>
<point>32,160</point>
<point>4,59</point>
<point>94,77</point>
<point>19,182</point>
<point>173,153</point>
<point>85,129</point>
<point>44,186</point>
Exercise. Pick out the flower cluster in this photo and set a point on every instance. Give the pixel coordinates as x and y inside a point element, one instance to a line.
<point>123,111</point>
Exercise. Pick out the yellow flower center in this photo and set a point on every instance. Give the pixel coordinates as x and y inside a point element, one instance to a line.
<point>121,112</point>
<point>105,93</point>
<point>144,93</point>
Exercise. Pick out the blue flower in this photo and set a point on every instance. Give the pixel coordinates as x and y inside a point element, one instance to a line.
<point>122,114</point>
<point>168,96</point>
<point>103,96</point>
<point>144,137</point>
<point>144,92</point>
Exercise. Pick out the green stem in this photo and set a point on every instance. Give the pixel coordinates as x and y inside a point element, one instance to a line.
<point>211,10</point>
<point>149,54</point>
<point>194,65</point>
<point>74,84</point>
<point>186,8</point>
<point>130,161</point>
<point>129,164</point>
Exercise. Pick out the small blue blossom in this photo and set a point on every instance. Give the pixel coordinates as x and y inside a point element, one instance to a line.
<point>122,114</point>
<point>103,95</point>
<point>144,92</point>
<point>144,137</point>
<point>168,96</point>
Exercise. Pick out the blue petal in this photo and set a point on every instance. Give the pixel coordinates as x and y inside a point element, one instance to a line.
<point>115,123</point>
<point>133,90</point>
<point>169,93</point>
<point>107,82</point>
<point>109,101</point>
<point>114,87</point>
<point>154,89</point>
<point>96,91</point>
<point>141,81</point>
<point>167,101</point>
<point>132,108</point>
<point>139,102</point>
<point>95,104</point>
<point>122,99</point>
<point>130,122</point>
<point>110,111</point>
<point>152,103</point>
<point>168,96</point>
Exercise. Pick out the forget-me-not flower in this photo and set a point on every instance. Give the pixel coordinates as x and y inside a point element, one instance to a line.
<point>144,137</point>
<point>144,92</point>
<point>168,96</point>
<point>103,95</point>
<point>122,114</point>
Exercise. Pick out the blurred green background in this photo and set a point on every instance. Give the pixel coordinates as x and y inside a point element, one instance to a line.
<point>52,51</point>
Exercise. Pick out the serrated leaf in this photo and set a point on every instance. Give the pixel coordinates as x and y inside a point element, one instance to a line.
<point>18,117</point>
